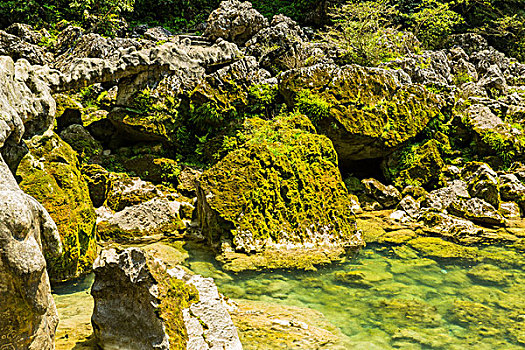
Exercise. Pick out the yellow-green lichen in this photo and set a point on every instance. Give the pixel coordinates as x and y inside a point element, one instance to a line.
<point>50,173</point>
<point>282,184</point>
<point>174,295</point>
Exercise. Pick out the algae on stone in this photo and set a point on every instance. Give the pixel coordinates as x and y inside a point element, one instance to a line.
<point>281,188</point>
<point>366,112</point>
<point>50,173</point>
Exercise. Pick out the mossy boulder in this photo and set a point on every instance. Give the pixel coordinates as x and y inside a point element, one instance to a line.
<point>281,189</point>
<point>98,181</point>
<point>366,112</point>
<point>152,168</point>
<point>126,191</point>
<point>418,166</point>
<point>50,173</point>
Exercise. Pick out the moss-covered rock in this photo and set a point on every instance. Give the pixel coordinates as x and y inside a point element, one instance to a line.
<point>126,191</point>
<point>366,112</point>
<point>50,173</point>
<point>280,189</point>
<point>152,168</point>
<point>98,181</point>
<point>422,166</point>
<point>438,248</point>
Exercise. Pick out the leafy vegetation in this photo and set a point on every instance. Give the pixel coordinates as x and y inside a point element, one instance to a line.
<point>360,29</point>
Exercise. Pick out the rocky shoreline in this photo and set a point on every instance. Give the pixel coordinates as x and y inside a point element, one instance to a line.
<point>254,140</point>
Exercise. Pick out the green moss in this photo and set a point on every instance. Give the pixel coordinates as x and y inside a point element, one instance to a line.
<point>262,99</point>
<point>175,295</point>
<point>367,104</point>
<point>434,247</point>
<point>282,183</point>
<point>152,168</point>
<point>63,102</point>
<point>312,105</point>
<point>50,173</point>
<point>422,166</point>
<point>273,259</point>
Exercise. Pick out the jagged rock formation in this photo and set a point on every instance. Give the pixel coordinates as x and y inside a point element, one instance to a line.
<point>50,173</point>
<point>140,304</point>
<point>234,21</point>
<point>28,316</point>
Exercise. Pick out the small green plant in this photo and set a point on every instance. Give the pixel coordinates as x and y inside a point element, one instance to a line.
<point>503,147</point>
<point>360,30</point>
<point>262,98</point>
<point>433,22</point>
<point>312,105</point>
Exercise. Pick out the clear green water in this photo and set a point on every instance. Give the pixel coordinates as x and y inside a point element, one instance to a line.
<point>399,300</point>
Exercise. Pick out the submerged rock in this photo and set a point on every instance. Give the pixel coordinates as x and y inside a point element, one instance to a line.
<point>280,191</point>
<point>140,304</point>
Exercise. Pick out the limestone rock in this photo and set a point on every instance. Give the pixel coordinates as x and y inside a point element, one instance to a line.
<point>478,211</point>
<point>511,188</point>
<point>145,221</point>
<point>126,191</point>
<point>28,316</point>
<point>332,97</point>
<point>431,68</point>
<point>482,182</point>
<point>157,34</point>
<point>440,199</point>
<point>510,210</point>
<point>16,48</point>
<point>27,33</point>
<point>469,42</point>
<point>387,196</point>
<point>283,46</point>
<point>269,196</point>
<point>50,172</point>
<point>96,46</point>
<point>207,321</point>
<point>234,21</point>
<point>409,205</point>
<point>188,179</point>
<point>140,304</point>
<point>98,181</point>
<point>451,227</point>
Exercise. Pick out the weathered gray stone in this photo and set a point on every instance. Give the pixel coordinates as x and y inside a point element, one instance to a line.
<point>28,316</point>
<point>409,205</point>
<point>234,21</point>
<point>478,211</point>
<point>130,293</point>
<point>441,198</point>
<point>387,196</point>
<point>510,210</point>
<point>145,221</point>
